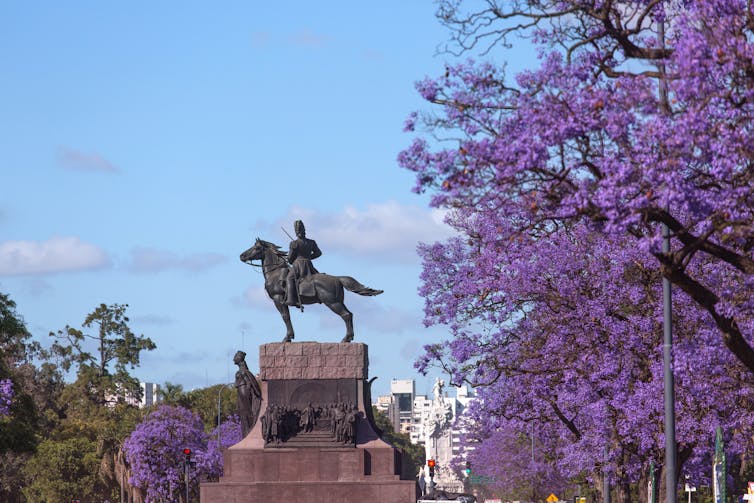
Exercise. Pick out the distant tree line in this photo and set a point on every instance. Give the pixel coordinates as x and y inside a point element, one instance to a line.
<point>61,441</point>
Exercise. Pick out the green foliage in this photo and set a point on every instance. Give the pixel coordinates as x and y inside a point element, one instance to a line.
<point>103,369</point>
<point>15,344</point>
<point>21,429</point>
<point>62,470</point>
<point>102,361</point>
<point>172,394</point>
<point>204,402</point>
<point>415,453</point>
<point>18,431</point>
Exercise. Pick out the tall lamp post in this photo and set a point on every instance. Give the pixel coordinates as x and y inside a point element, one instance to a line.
<point>667,326</point>
<point>219,410</point>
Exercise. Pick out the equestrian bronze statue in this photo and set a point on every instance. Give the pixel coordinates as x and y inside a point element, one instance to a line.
<point>291,279</point>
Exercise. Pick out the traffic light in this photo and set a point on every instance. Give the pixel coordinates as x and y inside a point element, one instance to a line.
<point>187,455</point>
<point>468,468</point>
<point>431,464</point>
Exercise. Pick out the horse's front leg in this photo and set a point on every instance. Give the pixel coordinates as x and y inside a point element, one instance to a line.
<point>286,315</point>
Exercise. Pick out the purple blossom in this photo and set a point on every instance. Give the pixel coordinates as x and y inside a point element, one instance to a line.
<point>222,437</point>
<point>556,182</point>
<point>154,451</point>
<point>6,396</point>
<point>557,185</point>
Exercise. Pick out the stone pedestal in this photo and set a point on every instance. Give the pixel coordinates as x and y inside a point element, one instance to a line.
<point>314,464</point>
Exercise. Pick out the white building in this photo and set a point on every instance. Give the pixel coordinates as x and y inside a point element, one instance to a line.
<point>439,427</point>
<point>410,419</point>
<point>398,405</point>
<point>458,404</point>
<point>150,395</point>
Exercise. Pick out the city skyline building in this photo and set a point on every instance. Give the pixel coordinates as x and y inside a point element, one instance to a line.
<point>412,419</point>
<point>150,395</point>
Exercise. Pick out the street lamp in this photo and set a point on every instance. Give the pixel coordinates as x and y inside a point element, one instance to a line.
<point>219,409</point>
<point>667,327</point>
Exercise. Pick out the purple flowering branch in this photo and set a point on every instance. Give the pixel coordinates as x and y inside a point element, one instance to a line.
<point>6,396</point>
<point>583,137</point>
<point>154,451</point>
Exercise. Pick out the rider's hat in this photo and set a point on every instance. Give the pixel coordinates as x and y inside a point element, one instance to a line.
<point>298,227</point>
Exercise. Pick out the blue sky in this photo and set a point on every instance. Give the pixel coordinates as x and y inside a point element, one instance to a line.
<point>144,145</point>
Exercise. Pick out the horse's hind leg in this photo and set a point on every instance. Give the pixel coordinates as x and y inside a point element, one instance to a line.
<point>286,315</point>
<point>341,310</point>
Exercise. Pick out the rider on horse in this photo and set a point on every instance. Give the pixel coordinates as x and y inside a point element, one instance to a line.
<point>301,252</point>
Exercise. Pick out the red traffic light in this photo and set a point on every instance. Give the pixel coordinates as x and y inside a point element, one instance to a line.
<point>187,451</point>
<point>431,463</point>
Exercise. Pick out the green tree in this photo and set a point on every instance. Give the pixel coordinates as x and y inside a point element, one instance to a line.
<point>16,346</point>
<point>63,470</point>
<point>103,368</point>
<point>415,453</point>
<point>105,426</point>
<point>103,361</point>
<point>16,351</point>
<point>172,394</point>
<point>204,402</point>
<point>19,431</point>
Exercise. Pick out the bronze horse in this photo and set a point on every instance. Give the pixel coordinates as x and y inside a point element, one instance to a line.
<point>328,290</point>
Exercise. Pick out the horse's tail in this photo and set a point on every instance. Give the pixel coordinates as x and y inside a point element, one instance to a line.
<point>354,286</point>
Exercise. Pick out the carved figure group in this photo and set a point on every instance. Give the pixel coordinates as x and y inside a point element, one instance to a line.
<point>280,422</point>
<point>308,418</point>
<point>343,420</point>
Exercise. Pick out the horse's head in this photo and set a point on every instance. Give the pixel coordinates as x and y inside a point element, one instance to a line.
<point>256,252</point>
<point>259,251</point>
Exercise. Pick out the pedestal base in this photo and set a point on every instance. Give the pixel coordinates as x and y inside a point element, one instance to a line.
<point>310,467</point>
<point>310,492</point>
<point>310,474</point>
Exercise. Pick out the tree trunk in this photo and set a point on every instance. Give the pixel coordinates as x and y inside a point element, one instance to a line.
<point>599,485</point>
<point>623,493</point>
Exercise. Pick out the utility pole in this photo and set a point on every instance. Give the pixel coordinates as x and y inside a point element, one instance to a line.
<point>667,323</point>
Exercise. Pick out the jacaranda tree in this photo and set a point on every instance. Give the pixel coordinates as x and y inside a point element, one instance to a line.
<point>618,126</point>
<point>638,114</point>
<point>154,452</point>
<point>223,436</point>
<point>571,344</point>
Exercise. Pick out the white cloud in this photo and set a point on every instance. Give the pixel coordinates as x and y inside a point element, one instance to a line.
<point>149,260</point>
<point>388,231</point>
<point>82,161</point>
<point>58,254</point>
